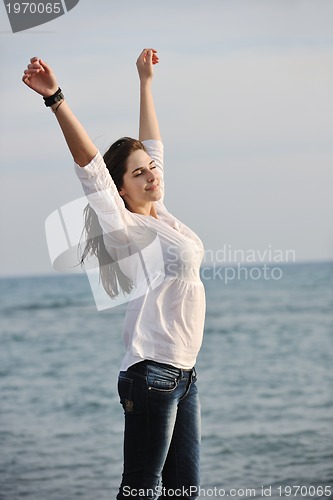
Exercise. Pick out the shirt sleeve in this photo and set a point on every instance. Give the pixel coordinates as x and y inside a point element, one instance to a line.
<point>103,197</point>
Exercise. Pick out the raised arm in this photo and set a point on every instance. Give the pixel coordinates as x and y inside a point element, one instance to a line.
<point>148,126</point>
<point>40,78</point>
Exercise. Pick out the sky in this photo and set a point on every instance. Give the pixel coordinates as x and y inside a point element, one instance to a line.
<point>243,93</point>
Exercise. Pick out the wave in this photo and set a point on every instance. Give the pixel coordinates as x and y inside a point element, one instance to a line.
<point>36,306</point>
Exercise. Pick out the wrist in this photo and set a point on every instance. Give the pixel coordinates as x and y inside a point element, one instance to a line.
<point>53,98</point>
<point>56,106</point>
<point>50,92</point>
<point>145,82</point>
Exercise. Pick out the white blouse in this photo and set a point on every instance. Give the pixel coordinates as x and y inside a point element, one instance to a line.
<point>165,313</point>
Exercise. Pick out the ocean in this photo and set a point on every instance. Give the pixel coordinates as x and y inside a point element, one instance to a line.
<point>264,375</point>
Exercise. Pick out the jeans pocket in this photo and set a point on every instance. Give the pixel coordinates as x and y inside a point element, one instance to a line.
<point>125,386</point>
<point>161,379</point>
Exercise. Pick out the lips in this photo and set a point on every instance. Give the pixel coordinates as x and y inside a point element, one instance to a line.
<point>152,188</point>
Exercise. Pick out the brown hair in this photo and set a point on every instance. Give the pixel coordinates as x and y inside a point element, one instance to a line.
<point>113,279</point>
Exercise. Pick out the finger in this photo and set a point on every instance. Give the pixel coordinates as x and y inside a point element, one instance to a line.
<point>146,51</point>
<point>45,66</point>
<point>34,66</point>
<point>150,56</point>
<point>25,79</point>
<point>142,55</point>
<point>30,71</point>
<point>33,59</point>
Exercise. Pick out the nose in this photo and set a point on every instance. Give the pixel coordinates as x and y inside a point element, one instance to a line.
<point>152,176</point>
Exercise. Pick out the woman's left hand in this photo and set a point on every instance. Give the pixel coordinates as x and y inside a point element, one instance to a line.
<point>145,62</point>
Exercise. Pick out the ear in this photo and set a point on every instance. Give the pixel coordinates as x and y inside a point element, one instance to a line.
<point>122,192</point>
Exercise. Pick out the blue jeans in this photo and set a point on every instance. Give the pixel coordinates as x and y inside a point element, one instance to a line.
<point>162,432</point>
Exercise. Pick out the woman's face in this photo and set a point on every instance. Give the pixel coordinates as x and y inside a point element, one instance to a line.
<point>141,182</point>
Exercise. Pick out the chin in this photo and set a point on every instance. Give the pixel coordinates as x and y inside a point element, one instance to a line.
<point>157,196</point>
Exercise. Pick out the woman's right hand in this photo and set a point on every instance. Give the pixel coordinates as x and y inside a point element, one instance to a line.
<point>40,78</point>
<point>145,62</point>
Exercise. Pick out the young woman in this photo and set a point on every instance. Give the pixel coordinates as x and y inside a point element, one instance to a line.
<point>164,322</point>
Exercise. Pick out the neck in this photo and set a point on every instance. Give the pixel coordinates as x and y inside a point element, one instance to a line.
<point>148,209</point>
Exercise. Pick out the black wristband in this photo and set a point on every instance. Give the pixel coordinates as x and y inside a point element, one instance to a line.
<point>52,99</point>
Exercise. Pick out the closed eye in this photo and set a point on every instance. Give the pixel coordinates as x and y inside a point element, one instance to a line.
<point>139,171</point>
